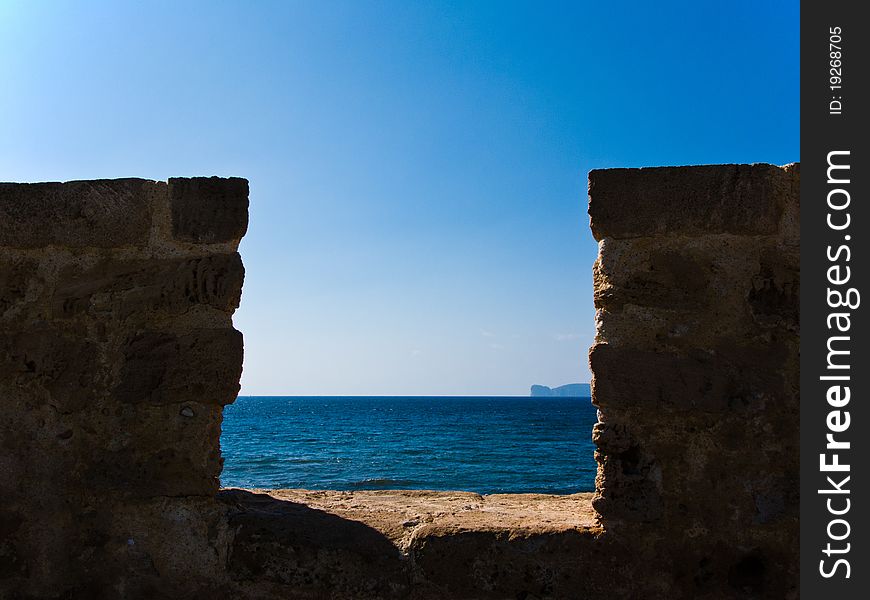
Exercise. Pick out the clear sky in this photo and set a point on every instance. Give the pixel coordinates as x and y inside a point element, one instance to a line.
<point>418,169</point>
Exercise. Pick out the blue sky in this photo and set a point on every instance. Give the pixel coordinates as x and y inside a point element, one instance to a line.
<point>418,169</point>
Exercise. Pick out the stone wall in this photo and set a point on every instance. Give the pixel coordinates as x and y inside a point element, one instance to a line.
<point>117,354</point>
<point>695,373</point>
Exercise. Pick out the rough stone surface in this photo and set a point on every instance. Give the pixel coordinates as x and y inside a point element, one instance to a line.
<point>695,374</point>
<point>414,544</point>
<point>701,200</point>
<point>117,355</point>
<point>105,213</point>
<point>209,209</point>
<point>115,289</point>
<point>203,365</point>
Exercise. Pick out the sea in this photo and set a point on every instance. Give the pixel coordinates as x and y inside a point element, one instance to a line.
<point>478,444</point>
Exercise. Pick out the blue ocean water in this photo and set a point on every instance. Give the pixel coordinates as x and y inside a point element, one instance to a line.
<point>479,444</point>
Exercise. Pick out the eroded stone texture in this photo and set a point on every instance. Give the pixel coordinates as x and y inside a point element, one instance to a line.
<point>209,209</point>
<point>419,545</point>
<point>160,367</point>
<point>117,353</point>
<point>702,200</point>
<point>104,213</point>
<point>116,289</point>
<point>695,374</point>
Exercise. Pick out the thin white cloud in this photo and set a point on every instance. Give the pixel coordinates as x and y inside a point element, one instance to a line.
<point>486,333</point>
<point>563,337</point>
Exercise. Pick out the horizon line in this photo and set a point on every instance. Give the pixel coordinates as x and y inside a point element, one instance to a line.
<point>400,396</point>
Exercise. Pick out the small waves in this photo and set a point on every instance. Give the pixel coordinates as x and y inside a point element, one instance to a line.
<point>382,483</point>
<point>482,445</point>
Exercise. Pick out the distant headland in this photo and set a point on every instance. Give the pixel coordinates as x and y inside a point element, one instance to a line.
<point>569,390</point>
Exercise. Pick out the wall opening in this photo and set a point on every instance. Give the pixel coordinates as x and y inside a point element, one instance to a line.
<point>118,355</point>
<point>485,445</point>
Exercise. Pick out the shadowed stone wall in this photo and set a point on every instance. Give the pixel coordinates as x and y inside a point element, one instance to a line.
<point>695,373</point>
<point>117,355</point>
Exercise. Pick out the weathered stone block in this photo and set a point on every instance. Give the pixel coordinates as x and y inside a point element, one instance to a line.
<point>120,549</point>
<point>165,548</point>
<point>728,378</point>
<point>627,497</point>
<point>116,357</point>
<point>710,199</point>
<point>676,294</point>
<point>774,298</point>
<point>166,368</point>
<point>12,564</point>
<point>166,450</point>
<point>104,213</point>
<point>15,274</point>
<point>695,373</point>
<point>679,274</point>
<point>310,551</point>
<point>55,366</point>
<point>611,438</point>
<point>208,210</point>
<point>497,565</point>
<point>118,289</point>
